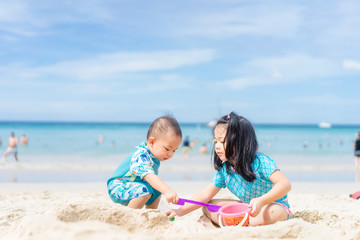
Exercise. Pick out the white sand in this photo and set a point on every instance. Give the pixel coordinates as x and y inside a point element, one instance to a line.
<point>84,211</point>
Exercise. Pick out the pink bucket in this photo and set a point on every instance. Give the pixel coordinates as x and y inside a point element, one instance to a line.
<point>235,214</point>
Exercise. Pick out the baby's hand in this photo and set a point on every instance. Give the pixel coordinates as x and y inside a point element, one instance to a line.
<point>256,205</point>
<point>171,196</point>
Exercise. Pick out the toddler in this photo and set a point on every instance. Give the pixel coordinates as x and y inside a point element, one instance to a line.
<point>135,182</point>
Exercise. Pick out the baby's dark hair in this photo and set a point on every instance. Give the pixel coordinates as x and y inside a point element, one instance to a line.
<point>162,125</point>
<point>241,146</point>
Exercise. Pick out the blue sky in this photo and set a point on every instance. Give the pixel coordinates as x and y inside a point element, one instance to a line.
<point>102,60</point>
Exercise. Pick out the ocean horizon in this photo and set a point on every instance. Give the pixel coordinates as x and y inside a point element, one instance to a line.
<point>10,122</point>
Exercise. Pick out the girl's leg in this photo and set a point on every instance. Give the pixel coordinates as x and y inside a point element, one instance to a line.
<point>139,202</point>
<point>213,216</point>
<point>155,204</point>
<point>270,214</point>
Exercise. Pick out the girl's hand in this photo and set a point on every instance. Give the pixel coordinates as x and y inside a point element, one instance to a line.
<point>172,213</point>
<point>256,204</point>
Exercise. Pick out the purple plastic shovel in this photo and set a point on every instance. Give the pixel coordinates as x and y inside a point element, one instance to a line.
<point>210,207</point>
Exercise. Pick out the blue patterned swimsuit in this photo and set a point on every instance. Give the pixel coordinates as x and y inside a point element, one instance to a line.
<point>128,182</point>
<point>263,167</point>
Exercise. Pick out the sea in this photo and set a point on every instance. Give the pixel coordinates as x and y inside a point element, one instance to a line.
<point>90,152</point>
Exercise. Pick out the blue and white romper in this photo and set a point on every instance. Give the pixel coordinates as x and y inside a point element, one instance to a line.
<point>128,181</point>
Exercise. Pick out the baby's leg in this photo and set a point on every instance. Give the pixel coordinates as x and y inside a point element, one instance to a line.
<point>139,202</point>
<point>214,216</point>
<point>270,214</point>
<point>133,194</point>
<point>155,204</point>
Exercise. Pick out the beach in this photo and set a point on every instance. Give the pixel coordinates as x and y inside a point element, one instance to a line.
<point>83,210</point>
<point>57,189</point>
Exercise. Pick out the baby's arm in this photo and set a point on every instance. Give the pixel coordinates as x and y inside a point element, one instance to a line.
<point>156,182</point>
<point>141,165</point>
<point>204,195</point>
<point>281,187</point>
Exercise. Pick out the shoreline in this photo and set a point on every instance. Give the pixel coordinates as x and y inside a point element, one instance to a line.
<point>187,187</point>
<point>42,173</point>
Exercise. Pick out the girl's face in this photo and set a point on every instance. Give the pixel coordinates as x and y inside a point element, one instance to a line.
<point>164,147</point>
<point>219,141</point>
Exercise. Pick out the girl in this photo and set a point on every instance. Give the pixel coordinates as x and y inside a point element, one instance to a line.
<point>251,176</point>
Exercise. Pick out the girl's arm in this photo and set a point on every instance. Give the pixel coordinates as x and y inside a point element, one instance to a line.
<point>281,187</point>
<point>204,195</point>
<point>156,182</point>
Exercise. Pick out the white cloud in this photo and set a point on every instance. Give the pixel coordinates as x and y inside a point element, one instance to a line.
<point>351,64</point>
<point>216,20</point>
<point>241,83</point>
<point>15,18</point>
<point>23,18</point>
<point>239,105</point>
<point>261,19</point>
<point>327,100</point>
<point>9,38</point>
<point>168,82</point>
<point>110,65</point>
<point>344,23</point>
<point>164,83</point>
<point>13,11</point>
<point>293,68</point>
<point>63,109</point>
<point>276,74</point>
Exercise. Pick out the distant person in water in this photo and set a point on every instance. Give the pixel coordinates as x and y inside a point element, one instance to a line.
<point>101,139</point>
<point>186,146</point>
<point>357,156</point>
<point>203,149</point>
<point>194,143</point>
<point>12,146</point>
<point>24,140</point>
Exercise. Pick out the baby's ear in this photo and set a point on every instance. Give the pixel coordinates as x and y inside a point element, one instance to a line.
<point>151,141</point>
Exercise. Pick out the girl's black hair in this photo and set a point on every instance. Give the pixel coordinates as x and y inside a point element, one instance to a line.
<point>241,146</point>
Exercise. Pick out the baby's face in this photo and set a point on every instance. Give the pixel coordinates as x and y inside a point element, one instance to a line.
<point>164,147</point>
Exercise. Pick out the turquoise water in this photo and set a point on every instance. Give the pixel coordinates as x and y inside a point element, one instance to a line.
<point>72,149</point>
<point>81,138</point>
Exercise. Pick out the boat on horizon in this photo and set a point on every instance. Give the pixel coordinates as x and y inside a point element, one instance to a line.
<point>324,125</point>
<point>211,123</point>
